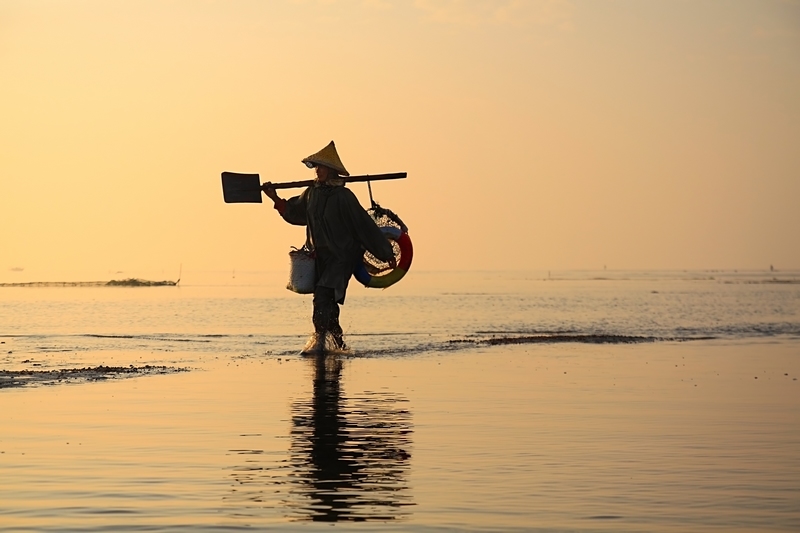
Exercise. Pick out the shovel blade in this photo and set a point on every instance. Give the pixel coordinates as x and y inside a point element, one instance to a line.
<point>241,188</point>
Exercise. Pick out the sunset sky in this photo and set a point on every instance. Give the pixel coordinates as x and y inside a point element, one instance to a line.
<point>537,135</point>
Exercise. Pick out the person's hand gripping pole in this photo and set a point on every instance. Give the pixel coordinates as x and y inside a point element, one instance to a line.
<point>270,191</point>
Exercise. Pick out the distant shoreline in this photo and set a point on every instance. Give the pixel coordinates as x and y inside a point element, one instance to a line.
<point>129,282</point>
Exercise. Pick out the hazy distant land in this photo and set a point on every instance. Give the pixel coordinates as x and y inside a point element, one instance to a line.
<point>129,282</point>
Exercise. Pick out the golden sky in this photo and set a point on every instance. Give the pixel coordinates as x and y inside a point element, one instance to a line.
<point>537,135</point>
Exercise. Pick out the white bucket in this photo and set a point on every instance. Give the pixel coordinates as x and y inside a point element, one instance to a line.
<point>301,271</point>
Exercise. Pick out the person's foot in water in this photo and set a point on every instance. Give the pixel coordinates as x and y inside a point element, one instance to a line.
<point>337,336</point>
<point>338,342</point>
<point>315,344</point>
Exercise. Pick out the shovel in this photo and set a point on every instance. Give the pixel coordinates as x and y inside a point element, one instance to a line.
<point>247,188</point>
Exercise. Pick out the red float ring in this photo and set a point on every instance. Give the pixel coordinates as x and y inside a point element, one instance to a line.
<point>396,274</point>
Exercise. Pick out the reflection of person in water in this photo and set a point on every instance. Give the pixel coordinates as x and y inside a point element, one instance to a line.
<point>350,455</point>
<point>348,458</point>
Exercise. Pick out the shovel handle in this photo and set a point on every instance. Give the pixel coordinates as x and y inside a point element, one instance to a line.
<point>347,179</point>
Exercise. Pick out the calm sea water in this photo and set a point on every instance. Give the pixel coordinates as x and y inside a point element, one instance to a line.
<point>252,314</point>
<point>658,401</point>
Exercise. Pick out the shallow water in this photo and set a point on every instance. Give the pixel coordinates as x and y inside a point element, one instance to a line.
<point>411,431</point>
<point>253,315</point>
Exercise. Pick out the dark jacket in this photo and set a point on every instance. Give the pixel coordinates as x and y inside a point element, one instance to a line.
<point>340,230</point>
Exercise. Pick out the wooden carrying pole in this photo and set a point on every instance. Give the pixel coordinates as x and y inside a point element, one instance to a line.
<point>347,179</point>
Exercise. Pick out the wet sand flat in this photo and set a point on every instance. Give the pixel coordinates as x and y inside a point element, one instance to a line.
<point>648,437</point>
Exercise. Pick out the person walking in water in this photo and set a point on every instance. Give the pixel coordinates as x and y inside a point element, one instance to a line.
<point>339,230</point>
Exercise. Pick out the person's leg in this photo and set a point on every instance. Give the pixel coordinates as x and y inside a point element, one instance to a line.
<point>335,329</point>
<point>325,309</point>
<point>326,316</point>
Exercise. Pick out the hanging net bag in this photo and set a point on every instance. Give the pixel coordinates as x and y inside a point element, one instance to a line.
<point>372,272</point>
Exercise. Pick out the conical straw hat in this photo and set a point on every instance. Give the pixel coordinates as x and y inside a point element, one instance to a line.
<point>327,157</point>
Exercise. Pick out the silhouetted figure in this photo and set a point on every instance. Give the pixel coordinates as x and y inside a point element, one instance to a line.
<point>339,230</point>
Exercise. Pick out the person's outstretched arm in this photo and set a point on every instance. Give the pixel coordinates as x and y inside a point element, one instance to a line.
<point>292,210</point>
